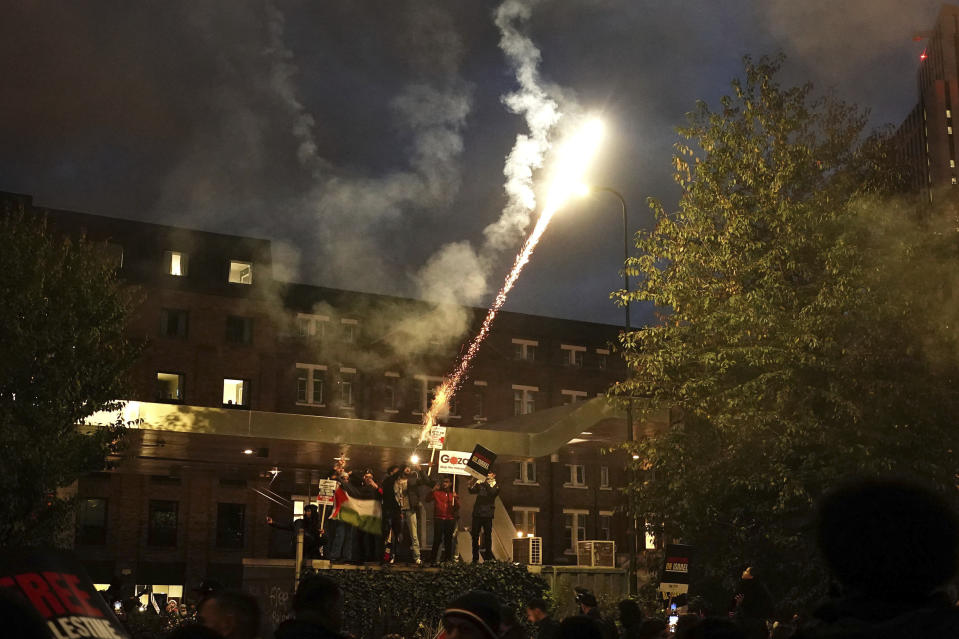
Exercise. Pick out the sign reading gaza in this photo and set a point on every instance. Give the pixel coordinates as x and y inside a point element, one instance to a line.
<point>54,584</point>
<point>480,462</point>
<point>453,462</point>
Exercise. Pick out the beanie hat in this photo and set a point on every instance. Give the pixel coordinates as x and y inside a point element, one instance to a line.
<point>480,608</point>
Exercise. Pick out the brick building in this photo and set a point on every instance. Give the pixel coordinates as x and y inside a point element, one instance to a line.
<point>244,375</point>
<point>926,139</point>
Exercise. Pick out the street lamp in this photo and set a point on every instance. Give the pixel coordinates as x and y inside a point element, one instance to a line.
<point>631,515</point>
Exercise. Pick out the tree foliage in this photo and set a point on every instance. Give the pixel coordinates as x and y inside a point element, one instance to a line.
<point>63,357</point>
<point>411,603</point>
<point>807,330</point>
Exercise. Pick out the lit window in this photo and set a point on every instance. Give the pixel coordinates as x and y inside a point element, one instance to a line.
<point>953,179</point>
<point>239,330</point>
<point>241,272</point>
<point>949,130</point>
<point>173,322</point>
<point>310,382</point>
<point>577,476</point>
<point>169,387</point>
<point>524,399</point>
<point>235,392</point>
<point>573,355</point>
<point>952,164</point>
<point>574,528</point>
<point>175,263</point>
<point>527,472</point>
<point>524,519</point>
<point>948,113</point>
<point>604,476</point>
<point>572,396</point>
<point>525,349</point>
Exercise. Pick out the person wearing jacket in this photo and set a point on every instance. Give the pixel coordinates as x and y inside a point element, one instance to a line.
<point>484,508</point>
<point>445,513</point>
<point>406,491</point>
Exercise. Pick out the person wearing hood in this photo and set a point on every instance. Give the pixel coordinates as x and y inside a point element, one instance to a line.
<point>893,547</point>
<point>752,605</point>
<point>475,615</point>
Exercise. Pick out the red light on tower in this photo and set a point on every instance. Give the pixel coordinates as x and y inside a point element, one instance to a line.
<point>923,55</point>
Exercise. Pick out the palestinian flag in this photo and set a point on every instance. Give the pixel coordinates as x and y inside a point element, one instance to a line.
<point>365,514</point>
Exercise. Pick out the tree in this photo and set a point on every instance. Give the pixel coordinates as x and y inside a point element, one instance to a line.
<point>796,338</point>
<point>63,357</point>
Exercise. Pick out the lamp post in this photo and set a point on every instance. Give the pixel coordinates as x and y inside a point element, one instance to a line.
<point>632,536</point>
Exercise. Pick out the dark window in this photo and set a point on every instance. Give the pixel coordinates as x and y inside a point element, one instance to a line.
<point>229,525</point>
<point>173,322</point>
<point>92,522</point>
<point>162,523</point>
<point>239,330</point>
<point>479,404</point>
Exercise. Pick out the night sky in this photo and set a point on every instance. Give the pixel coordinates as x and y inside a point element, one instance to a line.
<point>368,139</point>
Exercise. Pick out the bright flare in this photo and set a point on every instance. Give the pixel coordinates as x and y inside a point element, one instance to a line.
<point>566,180</point>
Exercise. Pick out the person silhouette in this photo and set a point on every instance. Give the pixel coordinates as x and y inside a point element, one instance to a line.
<point>891,545</point>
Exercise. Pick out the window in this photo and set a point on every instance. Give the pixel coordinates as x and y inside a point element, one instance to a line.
<point>577,476</point>
<point>605,525</point>
<point>948,113</point>
<point>310,383</point>
<point>524,519</point>
<point>175,263</point>
<point>239,330</point>
<point>173,322</point>
<point>92,522</point>
<point>949,130</point>
<point>604,477</point>
<point>426,391</point>
<point>573,355</point>
<point>527,473</point>
<point>230,520</point>
<point>349,327</point>
<point>169,387</point>
<point>524,399</point>
<point>572,396</point>
<point>311,326</point>
<point>479,400</point>
<point>952,164</point>
<point>241,272</point>
<point>525,349</point>
<point>390,399</point>
<point>114,254</point>
<point>346,387</point>
<point>574,528</point>
<point>236,392</point>
<point>162,523</point>
<point>601,355</point>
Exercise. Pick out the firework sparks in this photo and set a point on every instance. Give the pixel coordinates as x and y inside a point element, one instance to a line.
<point>573,159</point>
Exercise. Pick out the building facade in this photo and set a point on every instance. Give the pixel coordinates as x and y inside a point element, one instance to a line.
<point>926,138</point>
<point>241,360</point>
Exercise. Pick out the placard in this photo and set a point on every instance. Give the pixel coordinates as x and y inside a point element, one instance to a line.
<point>325,492</point>
<point>437,437</point>
<point>453,462</point>
<point>480,462</point>
<point>55,585</point>
<point>676,569</point>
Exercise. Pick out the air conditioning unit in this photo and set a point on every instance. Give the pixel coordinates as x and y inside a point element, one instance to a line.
<point>596,553</point>
<point>528,550</point>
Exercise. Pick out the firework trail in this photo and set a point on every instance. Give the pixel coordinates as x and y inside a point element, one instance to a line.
<point>574,157</point>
